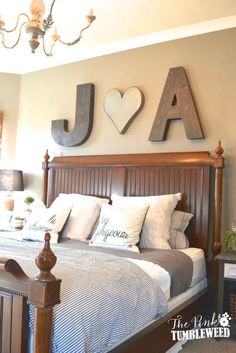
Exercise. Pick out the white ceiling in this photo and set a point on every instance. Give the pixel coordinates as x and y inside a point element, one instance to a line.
<point>120,25</point>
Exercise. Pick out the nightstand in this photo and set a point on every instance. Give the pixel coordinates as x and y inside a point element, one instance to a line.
<point>226,282</point>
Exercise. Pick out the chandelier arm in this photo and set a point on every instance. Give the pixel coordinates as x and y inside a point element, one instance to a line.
<point>48,22</point>
<point>77,39</point>
<point>18,38</point>
<point>17,22</point>
<point>51,8</point>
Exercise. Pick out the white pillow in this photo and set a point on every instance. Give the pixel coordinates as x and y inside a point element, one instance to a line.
<point>119,227</point>
<point>50,220</point>
<point>179,222</point>
<point>84,214</point>
<point>155,232</point>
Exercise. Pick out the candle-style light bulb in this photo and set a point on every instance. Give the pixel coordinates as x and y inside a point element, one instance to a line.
<point>55,36</point>
<point>90,16</point>
<point>2,23</point>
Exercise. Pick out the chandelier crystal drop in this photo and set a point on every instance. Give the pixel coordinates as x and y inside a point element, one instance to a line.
<point>37,26</point>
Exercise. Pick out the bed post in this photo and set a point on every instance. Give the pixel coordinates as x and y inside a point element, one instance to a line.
<point>45,177</point>
<point>43,294</point>
<point>219,165</point>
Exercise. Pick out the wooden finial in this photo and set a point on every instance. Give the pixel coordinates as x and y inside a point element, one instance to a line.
<point>46,157</point>
<point>219,150</point>
<point>219,159</point>
<point>45,177</point>
<point>45,261</point>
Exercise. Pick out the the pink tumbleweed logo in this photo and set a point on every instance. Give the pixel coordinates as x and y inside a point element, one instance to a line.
<point>216,326</point>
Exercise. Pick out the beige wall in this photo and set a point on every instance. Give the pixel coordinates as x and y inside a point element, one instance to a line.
<point>9,103</point>
<point>210,64</point>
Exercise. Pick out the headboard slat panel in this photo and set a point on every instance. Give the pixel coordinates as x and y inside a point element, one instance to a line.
<point>193,183</point>
<point>87,181</point>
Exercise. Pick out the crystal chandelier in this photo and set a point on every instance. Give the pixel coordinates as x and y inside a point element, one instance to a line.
<point>37,27</point>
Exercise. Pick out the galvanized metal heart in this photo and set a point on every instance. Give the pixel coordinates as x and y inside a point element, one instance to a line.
<point>123,108</point>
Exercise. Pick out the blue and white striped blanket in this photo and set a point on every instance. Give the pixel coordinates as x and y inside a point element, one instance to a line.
<point>114,298</point>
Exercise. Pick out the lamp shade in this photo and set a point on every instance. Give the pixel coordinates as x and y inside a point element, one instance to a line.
<point>11,180</point>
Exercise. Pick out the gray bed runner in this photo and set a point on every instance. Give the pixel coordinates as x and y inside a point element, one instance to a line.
<point>176,263</point>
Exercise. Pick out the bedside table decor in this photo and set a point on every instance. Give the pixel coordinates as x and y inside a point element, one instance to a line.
<point>17,222</point>
<point>10,180</point>
<point>28,200</point>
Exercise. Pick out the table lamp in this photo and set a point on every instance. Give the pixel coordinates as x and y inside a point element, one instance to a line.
<point>10,180</point>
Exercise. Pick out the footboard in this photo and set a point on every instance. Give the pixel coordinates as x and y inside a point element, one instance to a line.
<point>17,292</point>
<point>13,307</point>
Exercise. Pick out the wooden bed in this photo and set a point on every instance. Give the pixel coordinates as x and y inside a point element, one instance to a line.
<point>197,175</point>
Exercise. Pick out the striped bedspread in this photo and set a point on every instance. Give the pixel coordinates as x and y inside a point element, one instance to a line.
<point>104,298</point>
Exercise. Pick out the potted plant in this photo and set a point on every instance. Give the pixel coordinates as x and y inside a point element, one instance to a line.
<point>230,239</point>
<point>28,200</point>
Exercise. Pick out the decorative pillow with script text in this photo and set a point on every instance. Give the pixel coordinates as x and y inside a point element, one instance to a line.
<point>119,227</point>
<point>49,220</point>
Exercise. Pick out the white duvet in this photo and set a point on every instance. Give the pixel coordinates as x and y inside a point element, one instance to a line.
<point>157,273</point>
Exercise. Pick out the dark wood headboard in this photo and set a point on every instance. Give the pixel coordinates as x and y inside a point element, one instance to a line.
<point>197,175</point>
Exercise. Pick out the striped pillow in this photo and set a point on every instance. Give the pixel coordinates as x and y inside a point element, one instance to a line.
<point>179,222</point>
